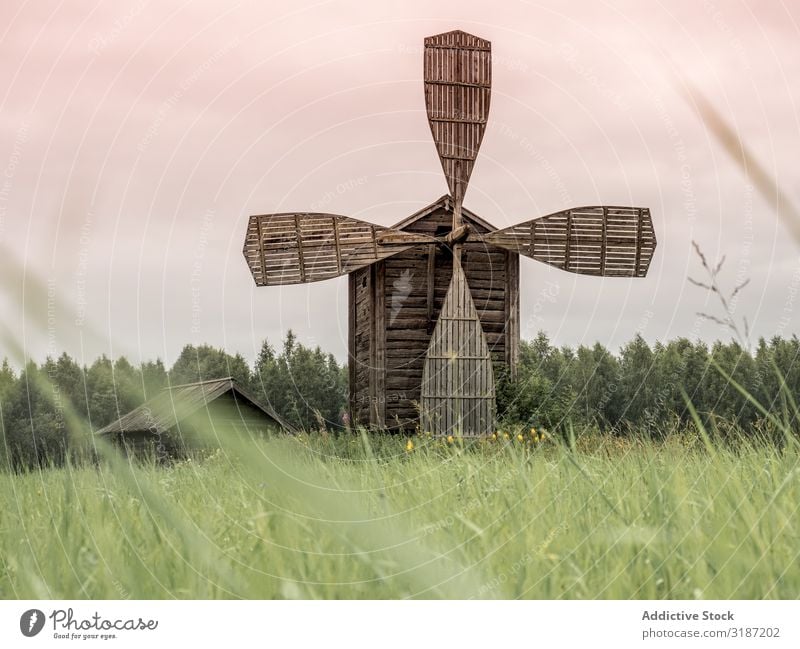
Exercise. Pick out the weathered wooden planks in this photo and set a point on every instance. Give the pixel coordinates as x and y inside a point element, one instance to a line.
<point>606,241</point>
<point>294,248</point>
<point>458,396</point>
<point>458,81</point>
<point>407,333</point>
<point>362,310</point>
<point>378,346</point>
<point>512,324</point>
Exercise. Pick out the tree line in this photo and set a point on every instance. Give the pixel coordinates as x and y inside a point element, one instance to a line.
<point>641,387</point>
<point>304,385</point>
<point>644,387</point>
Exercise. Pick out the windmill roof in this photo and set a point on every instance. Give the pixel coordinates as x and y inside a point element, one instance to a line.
<point>447,203</point>
<point>458,38</point>
<point>177,402</point>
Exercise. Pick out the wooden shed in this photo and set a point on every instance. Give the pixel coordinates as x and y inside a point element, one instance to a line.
<point>191,416</point>
<point>394,305</point>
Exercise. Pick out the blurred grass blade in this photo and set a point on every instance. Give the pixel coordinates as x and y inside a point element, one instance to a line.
<point>733,145</point>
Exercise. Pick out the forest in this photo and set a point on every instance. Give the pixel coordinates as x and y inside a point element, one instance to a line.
<point>642,389</point>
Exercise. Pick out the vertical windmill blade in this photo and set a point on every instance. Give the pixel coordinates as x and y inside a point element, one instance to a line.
<point>297,248</point>
<point>458,81</point>
<point>604,241</point>
<point>458,396</point>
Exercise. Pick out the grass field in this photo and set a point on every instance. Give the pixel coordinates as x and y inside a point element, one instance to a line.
<point>322,518</point>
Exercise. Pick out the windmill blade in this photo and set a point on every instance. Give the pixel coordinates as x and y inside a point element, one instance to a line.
<point>458,82</point>
<point>604,241</point>
<point>457,393</point>
<point>301,247</point>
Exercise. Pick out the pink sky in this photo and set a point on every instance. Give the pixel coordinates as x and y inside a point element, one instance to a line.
<point>136,138</point>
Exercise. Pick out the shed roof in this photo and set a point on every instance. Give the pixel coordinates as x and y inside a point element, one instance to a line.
<point>447,203</point>
<point>177,402</point>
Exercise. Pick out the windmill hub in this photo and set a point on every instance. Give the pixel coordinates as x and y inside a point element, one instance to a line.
<point>425,356</point>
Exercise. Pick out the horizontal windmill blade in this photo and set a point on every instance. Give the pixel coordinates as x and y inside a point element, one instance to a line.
<point>604,241</point>
<point>458,82</point>
<point>296,248</point>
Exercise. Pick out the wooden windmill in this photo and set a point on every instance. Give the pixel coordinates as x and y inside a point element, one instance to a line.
<point>424,294</point>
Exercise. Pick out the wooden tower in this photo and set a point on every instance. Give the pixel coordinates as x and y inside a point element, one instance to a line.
<point>395,304</point>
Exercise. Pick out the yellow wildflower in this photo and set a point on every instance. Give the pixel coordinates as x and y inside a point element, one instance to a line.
<point>450,439</point>
<point>409,446</point>
<point>506,436</point>
<point>533,432</point>
<point>494,435</point>
<point>520,437</point>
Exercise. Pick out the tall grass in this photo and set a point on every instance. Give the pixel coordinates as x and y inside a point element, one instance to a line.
<point>331,519</point>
